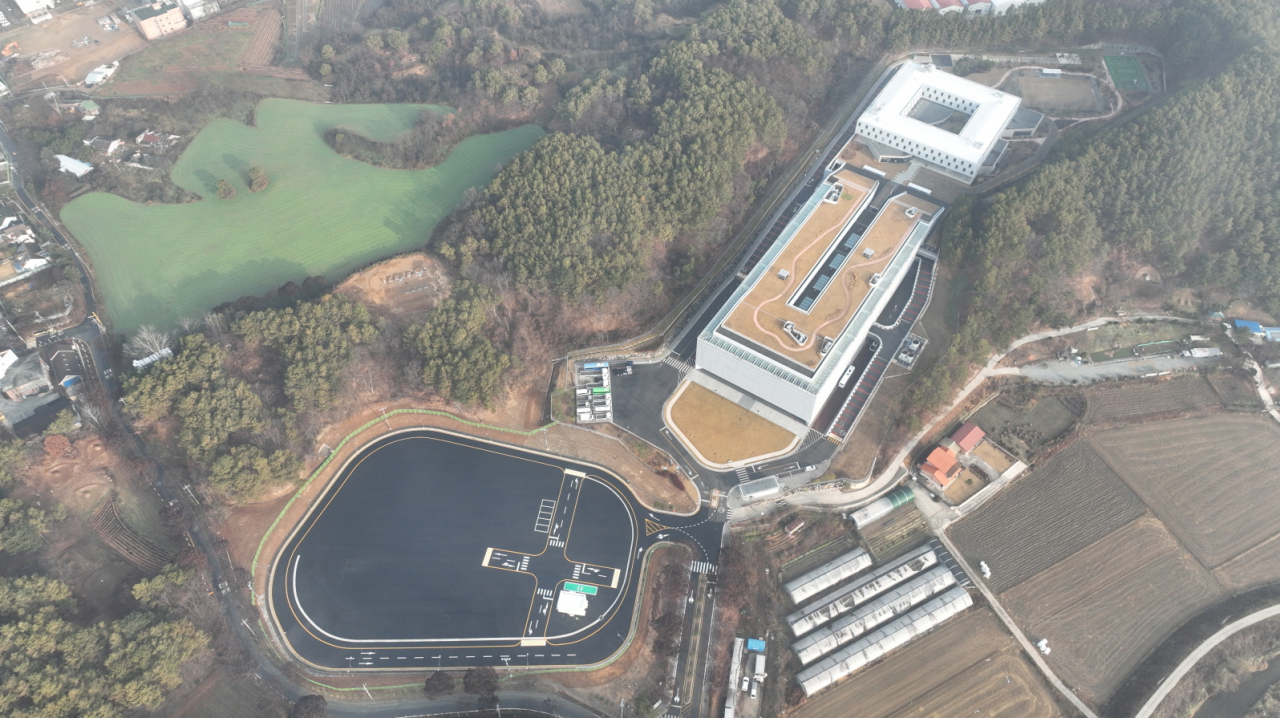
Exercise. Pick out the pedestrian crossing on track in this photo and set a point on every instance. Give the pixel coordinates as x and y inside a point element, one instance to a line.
<point>672,361</point>
<point>555,543</point>
<point>546,593</point>
<point>742,475</point>
<point>703,567</point>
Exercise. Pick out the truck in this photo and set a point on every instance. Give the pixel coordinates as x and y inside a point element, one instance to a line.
<point>759,670</point>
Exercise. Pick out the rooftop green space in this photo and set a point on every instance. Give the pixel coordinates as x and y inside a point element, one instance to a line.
<point>321,214</point>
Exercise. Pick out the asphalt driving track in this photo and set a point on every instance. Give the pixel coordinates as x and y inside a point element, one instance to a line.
<point>434,549</point>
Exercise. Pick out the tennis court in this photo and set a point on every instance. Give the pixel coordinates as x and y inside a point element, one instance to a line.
<point>1126,72</point>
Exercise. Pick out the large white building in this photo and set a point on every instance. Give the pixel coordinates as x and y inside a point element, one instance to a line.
<point>791,330</point>
<point>953,125</point>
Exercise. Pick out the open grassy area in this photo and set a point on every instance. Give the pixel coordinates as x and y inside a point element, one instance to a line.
<point>223,47</point>
<point>722,431</point>
<point>322,214</point>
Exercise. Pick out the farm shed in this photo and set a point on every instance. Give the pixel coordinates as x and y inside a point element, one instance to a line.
<point>863,590</point>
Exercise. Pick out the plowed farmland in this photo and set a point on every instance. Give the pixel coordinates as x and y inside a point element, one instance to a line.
<point>946,673</point>
<point>1258,566</point>
<point>1065,505</point>
<point>1107,606</point>
<point>1132,402</point>
<point>1212,481</point>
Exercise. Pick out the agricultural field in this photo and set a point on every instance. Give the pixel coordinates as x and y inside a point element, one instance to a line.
<point>1258,566</point>
<point>1106,607</point>
<point>1027,431</point>
<point>1210,480</point>
<point>890,536</point>
<point>322,214</point>
<point>1235,392</point>
<point>233,49</point>
<point>965,667</point>
<point>1060,508</point>
<point>1135,401</point>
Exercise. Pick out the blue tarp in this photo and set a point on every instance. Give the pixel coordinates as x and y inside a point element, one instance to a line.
<point>755,644</point>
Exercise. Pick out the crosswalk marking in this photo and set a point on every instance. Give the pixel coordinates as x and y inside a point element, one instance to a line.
<point>555,543</point>
<point>742,475</point>
<point>671,361</point>
<point>546,512</point>
<point>703,567</point>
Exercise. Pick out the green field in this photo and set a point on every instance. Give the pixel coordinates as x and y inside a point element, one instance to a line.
<point>1126,72</point>
<point>322,214</point>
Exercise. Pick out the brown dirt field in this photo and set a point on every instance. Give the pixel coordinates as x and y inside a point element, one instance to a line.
<point>1135,401</point>
<point>1107,606</point>
<point>220,695</point>
<point>80,480</point>
<point>721,430</point>
<point>1211,479</point>
<point>968,483</point>
<point>1236,392</point>
<point>404,284</point>
<point>1258,566</point>
<point>1046,516</point>
<point>1066,93</point>
<point>57,34</point>
<point>959,669</point>
<point>998,460</point>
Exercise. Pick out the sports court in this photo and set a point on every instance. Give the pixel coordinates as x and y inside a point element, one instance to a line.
<point>1126,72</point>
<point>436,549</point>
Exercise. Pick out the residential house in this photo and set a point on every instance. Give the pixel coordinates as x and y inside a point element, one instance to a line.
<point>73,166</point>
<point>156,140</point>
<point>941,466</point>
<point>968,436</point>
<point>25,377</point>
<point>103,145</point>
<point>159,19</point>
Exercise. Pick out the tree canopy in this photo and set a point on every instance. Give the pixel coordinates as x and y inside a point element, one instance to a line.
<point>51,667</point>
<point>459,361</point>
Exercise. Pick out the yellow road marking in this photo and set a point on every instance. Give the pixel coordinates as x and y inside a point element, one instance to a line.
<point>488,553</point>
<point>652,527</point>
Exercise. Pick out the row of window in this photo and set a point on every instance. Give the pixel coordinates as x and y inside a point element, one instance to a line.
<point>946,98</point>
<point>915,148</point>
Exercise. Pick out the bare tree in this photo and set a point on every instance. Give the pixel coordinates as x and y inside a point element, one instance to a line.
<point>216,323</point>
<point>147,341</point>
<point>189,324</point>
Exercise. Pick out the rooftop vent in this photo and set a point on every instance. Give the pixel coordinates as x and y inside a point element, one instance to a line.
<point>783,274</point>
<point>912,211</point>
<point>868,253</point>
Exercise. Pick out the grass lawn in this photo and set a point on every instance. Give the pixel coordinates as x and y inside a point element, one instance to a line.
<point>1126,72</point>
<point>190,50</point>
<point>322,214</point>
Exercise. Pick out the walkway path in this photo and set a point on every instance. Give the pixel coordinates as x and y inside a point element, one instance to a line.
<point>1200,652</point>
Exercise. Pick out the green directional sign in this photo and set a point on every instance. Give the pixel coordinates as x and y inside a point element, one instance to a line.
<point>580,588</point>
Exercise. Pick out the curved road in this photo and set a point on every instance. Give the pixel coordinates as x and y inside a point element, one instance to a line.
<point>1200,652</point>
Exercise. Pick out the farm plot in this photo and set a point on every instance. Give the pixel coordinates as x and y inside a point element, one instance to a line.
<point>323,214</point>
<point>1106,607</point>
<point>1236,392</point>
<point>1211,480</point>
<point>891,536</point>
<point>1027,431</point>
<point>1064,506</point>
<point>946,673</point>
<point>1258,566</point>
<point>1132,402</point>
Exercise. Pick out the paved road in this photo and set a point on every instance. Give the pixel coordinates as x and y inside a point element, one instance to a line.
<point>1200,652</point>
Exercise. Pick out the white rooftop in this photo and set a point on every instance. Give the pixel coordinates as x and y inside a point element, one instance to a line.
<point>994,108</point>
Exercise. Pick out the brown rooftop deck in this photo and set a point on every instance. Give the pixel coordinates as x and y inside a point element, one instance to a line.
<point>761,313</point>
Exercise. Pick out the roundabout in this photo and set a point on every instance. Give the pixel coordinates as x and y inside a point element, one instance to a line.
<point>434,549</point>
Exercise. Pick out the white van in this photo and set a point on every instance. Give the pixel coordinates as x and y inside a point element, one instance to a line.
<point>848,374</point>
